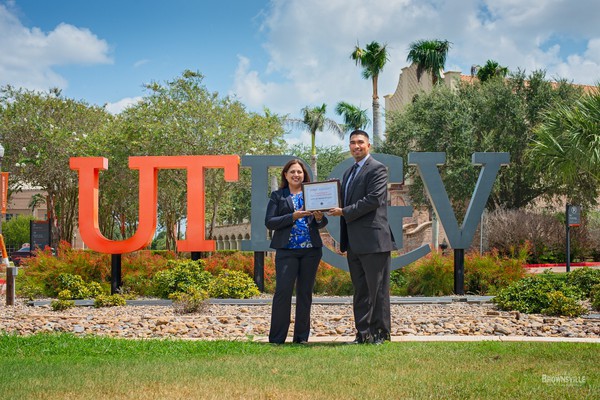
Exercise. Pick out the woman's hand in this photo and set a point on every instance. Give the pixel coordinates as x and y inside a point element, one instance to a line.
<point>300,214</point>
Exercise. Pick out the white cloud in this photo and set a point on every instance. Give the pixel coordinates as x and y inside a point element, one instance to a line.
<point>324,138</point>
<point>139,63</point>
<point>29,55</point>
<point>309,43</point>
<point>116,108</point>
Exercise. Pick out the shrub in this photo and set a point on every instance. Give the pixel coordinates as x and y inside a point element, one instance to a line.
<point>194,301</point>
<point>43,269</point>
<point>232,285</point>
<point>113,300</point>
<point>139,268</point>
<point>65,295</point>
<point>430,276</point>
<point>180,277</point>
<point>29,289</point>
<point>538,294</point>
<point>595,297</point>
<point>506,229</point>
<point>332,281</point>
<point>584,279</point>
<point>486,274</point>
<point>73,285</point>
<point>95,289</point>
<point>398,283</point>
<point>240,261</point>
<point>60,305</point>
<point>559,304</point>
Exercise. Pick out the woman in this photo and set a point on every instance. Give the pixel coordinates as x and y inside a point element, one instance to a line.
<point>298,252</point>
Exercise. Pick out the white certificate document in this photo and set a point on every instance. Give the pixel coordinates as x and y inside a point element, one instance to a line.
<point>319,196</point>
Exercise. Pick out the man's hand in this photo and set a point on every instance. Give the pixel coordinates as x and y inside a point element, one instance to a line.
<point>335,212</point>
<point>318,215</point>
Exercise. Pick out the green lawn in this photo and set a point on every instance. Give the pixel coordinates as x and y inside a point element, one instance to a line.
<point>66,367</point>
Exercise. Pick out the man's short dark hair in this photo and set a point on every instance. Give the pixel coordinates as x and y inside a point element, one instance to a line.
<point>359,132</point>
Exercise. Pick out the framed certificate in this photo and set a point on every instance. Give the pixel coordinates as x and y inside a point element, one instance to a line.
<point>319,196</point>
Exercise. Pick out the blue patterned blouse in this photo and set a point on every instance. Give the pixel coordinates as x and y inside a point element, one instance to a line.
<point>300,235</point>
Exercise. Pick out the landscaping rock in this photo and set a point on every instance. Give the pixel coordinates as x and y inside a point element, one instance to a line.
<point>241,321</point>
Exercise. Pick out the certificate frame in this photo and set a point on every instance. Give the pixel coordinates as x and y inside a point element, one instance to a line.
<point>320,196</point>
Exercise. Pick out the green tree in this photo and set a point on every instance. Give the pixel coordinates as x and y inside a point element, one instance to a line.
<point>329,157</point>
<point>430,56</point>
<point>437,122</point>
<point>41,131</point>
<point>372,59</point>
<point>354,117</point>
<point>566,149</point>
<point>505,114</point>
<point>499,116</point>
<point>181,117</point>
<point>16,231</point>
<point>315,120</point>
<point>490,70</point>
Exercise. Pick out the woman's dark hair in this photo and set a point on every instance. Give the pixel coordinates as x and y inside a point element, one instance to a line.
<point>287,166</point>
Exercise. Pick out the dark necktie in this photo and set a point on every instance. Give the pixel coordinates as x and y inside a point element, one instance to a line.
<point>350,178</point>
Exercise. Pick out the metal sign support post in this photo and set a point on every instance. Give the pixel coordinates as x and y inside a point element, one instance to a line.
<point>572,218</point>
<point>115,274</point>
<point>259,270</point>
<point>568,248</point>
<point>459,272</point>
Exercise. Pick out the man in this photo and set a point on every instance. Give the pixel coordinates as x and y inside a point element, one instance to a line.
<point>368,240</point>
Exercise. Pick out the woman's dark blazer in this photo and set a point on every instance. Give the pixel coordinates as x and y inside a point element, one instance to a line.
<point>280,220</point>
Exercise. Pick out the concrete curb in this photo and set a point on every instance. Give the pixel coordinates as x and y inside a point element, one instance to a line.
<point>444,338</point>
<point>341,300</point>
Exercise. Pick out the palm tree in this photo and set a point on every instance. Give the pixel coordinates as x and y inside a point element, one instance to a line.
<point>314,119</point>
<point>430,56</point>
<point>354,117</point>
<point>490,70</point>
<point>566,148</point>
<point>37,200</point>
<point>372,59</point>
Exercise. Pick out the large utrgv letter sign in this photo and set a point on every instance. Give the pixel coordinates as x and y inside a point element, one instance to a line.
<point>426,163</point>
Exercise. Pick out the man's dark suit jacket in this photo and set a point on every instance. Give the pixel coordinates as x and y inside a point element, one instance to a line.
<point>279,218</point>
<point>366,215</point>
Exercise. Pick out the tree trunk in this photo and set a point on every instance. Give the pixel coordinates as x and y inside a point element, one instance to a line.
<point>313,157</point>
<point>377,136</point>
<point>51,220</point>
<point>213,221</point>
<point>313,165</point>
<point>170,242</point>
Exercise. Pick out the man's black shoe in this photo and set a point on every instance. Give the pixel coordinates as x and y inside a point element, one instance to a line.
<point>384,336</point>
<point>357,340</point>
<point>363,339</point>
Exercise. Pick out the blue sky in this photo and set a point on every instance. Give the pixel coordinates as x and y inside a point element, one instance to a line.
<point>282,54</point>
